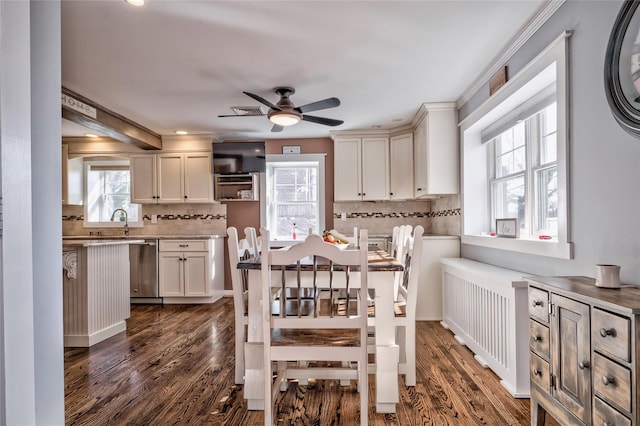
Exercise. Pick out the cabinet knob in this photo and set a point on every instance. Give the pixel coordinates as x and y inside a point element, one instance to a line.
<point>604,332</point>
<point>584,364</point>
<point>185,197</point>
<point>537,338</point>
<point>608,380</point>
<point>537,372</point>
<point>418,189</point>
<point>391,193</point>
<point>536,303</point>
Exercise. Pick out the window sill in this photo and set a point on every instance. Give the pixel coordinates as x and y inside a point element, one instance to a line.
<point>549,248</point>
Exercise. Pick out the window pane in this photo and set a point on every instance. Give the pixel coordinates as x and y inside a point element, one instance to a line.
<point>292,203</point>
<point>108,190</point>
<point>547,201</point>
<point>548,131</point>
<point>509,198</point>
<point>510,151</point>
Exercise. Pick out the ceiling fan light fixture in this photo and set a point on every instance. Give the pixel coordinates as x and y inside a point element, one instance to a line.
<point>284,118</point>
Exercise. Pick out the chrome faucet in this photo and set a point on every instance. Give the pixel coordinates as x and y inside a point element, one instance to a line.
<point>126,219</point>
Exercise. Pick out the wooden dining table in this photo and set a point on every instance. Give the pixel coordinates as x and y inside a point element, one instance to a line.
<point>382,267</point>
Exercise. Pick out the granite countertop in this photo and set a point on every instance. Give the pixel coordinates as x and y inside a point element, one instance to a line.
<point>440,237</point>
<point>98,242</point>
<point>128,238</point>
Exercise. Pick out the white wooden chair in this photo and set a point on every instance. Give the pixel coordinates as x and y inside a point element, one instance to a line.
<point>316,335</point>
<point>239,249</point>
<point>251,236</point>
<point>405,305</point>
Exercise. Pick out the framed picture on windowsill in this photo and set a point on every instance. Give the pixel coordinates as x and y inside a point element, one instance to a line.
<point>508,228</point>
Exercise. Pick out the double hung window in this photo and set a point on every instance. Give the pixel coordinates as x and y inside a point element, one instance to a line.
<point>294,196</point>
<point>107,188</point>
<point>523,166</point>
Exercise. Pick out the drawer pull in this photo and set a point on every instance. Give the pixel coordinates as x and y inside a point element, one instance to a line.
<point>604,332</point>
<point>537,303</point>
<point>537,338</point>
<point>584,364</point>
<point>183,245</point>
<point>608,380</point>
<point>537,372</point>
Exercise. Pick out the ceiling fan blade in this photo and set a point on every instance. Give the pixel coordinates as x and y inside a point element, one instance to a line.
<point>262,100</point>
<point>322,120</point>
<point>243,115</point>
<point>276,128</point>
<point>323,104</point>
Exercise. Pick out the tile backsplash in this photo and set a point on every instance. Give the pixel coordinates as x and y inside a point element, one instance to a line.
<point>438,216</point>
<point>173,219</point>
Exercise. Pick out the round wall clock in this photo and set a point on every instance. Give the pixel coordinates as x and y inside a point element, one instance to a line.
<point>622,68</point>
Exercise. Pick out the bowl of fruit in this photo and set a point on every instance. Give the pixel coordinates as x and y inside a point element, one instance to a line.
<point>336,239</point>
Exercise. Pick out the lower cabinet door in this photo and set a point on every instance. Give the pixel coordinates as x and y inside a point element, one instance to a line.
<point>196,274</point>
<point>570,339</point>
<point>170,274</point>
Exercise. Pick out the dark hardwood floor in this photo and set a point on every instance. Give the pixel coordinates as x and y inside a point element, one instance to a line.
<point>175,364</point>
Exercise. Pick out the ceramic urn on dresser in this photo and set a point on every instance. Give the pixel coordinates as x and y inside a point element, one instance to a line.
<point>584,352</point>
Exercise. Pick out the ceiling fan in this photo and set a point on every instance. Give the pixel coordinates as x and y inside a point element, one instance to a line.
<point>284,113</point>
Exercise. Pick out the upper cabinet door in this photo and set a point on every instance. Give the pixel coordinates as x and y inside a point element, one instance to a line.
<point>436,159</point>
<point>170,178</point>
<point>347,169</point>
<point>143,179</point>
<point>401,167</point>
<point>375,168</point>
<point>198,180</point>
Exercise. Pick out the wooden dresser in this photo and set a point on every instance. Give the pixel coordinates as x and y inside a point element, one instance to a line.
<point>584,352</point>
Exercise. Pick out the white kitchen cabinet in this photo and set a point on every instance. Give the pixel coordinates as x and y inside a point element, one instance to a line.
<point>72,178</point>
<point>171,178</point>
<point>184,268</point>
<point>401,167</point>
<point>361,168</point>
<point>434,248</point>
<point>436,164</point>
<point>143,179</point>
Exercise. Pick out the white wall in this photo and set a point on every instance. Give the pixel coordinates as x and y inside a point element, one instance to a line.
<point>46,166</point>
<point>604,160</point>
<point>31,353</point>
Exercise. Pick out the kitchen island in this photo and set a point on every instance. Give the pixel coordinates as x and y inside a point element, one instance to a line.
<point>95,290</point>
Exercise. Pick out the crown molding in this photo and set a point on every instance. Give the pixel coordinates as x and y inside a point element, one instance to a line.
<point>526,32</point>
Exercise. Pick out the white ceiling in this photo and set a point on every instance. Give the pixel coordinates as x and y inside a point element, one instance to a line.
<point>179,64</point>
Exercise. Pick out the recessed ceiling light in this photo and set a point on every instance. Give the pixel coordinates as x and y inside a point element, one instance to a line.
<point>376,126</point>
<point>135,2</point>
<point>397,120</point>
<point>181,132</point>
<point>91,135</point>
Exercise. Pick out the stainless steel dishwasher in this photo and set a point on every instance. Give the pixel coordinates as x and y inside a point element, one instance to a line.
<point>143,266</point>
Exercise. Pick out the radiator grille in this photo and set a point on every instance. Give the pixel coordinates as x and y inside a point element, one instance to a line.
<point>486,307</point>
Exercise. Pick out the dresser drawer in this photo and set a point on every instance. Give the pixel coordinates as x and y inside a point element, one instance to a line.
<point>539,338</point>
<point>539,372</point>
<point>184,245</point>
<point>539,304</point>
<point>603,414</point>
<point>612,382</point>
<point>611,334</point>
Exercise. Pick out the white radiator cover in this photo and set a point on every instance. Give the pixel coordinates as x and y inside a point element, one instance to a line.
<point>486,308</point>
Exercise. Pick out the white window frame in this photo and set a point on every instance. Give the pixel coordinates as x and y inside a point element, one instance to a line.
<point>284,158</point>
<point>106,224</point>
<point>549,66</point>
<point>532,165</point>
